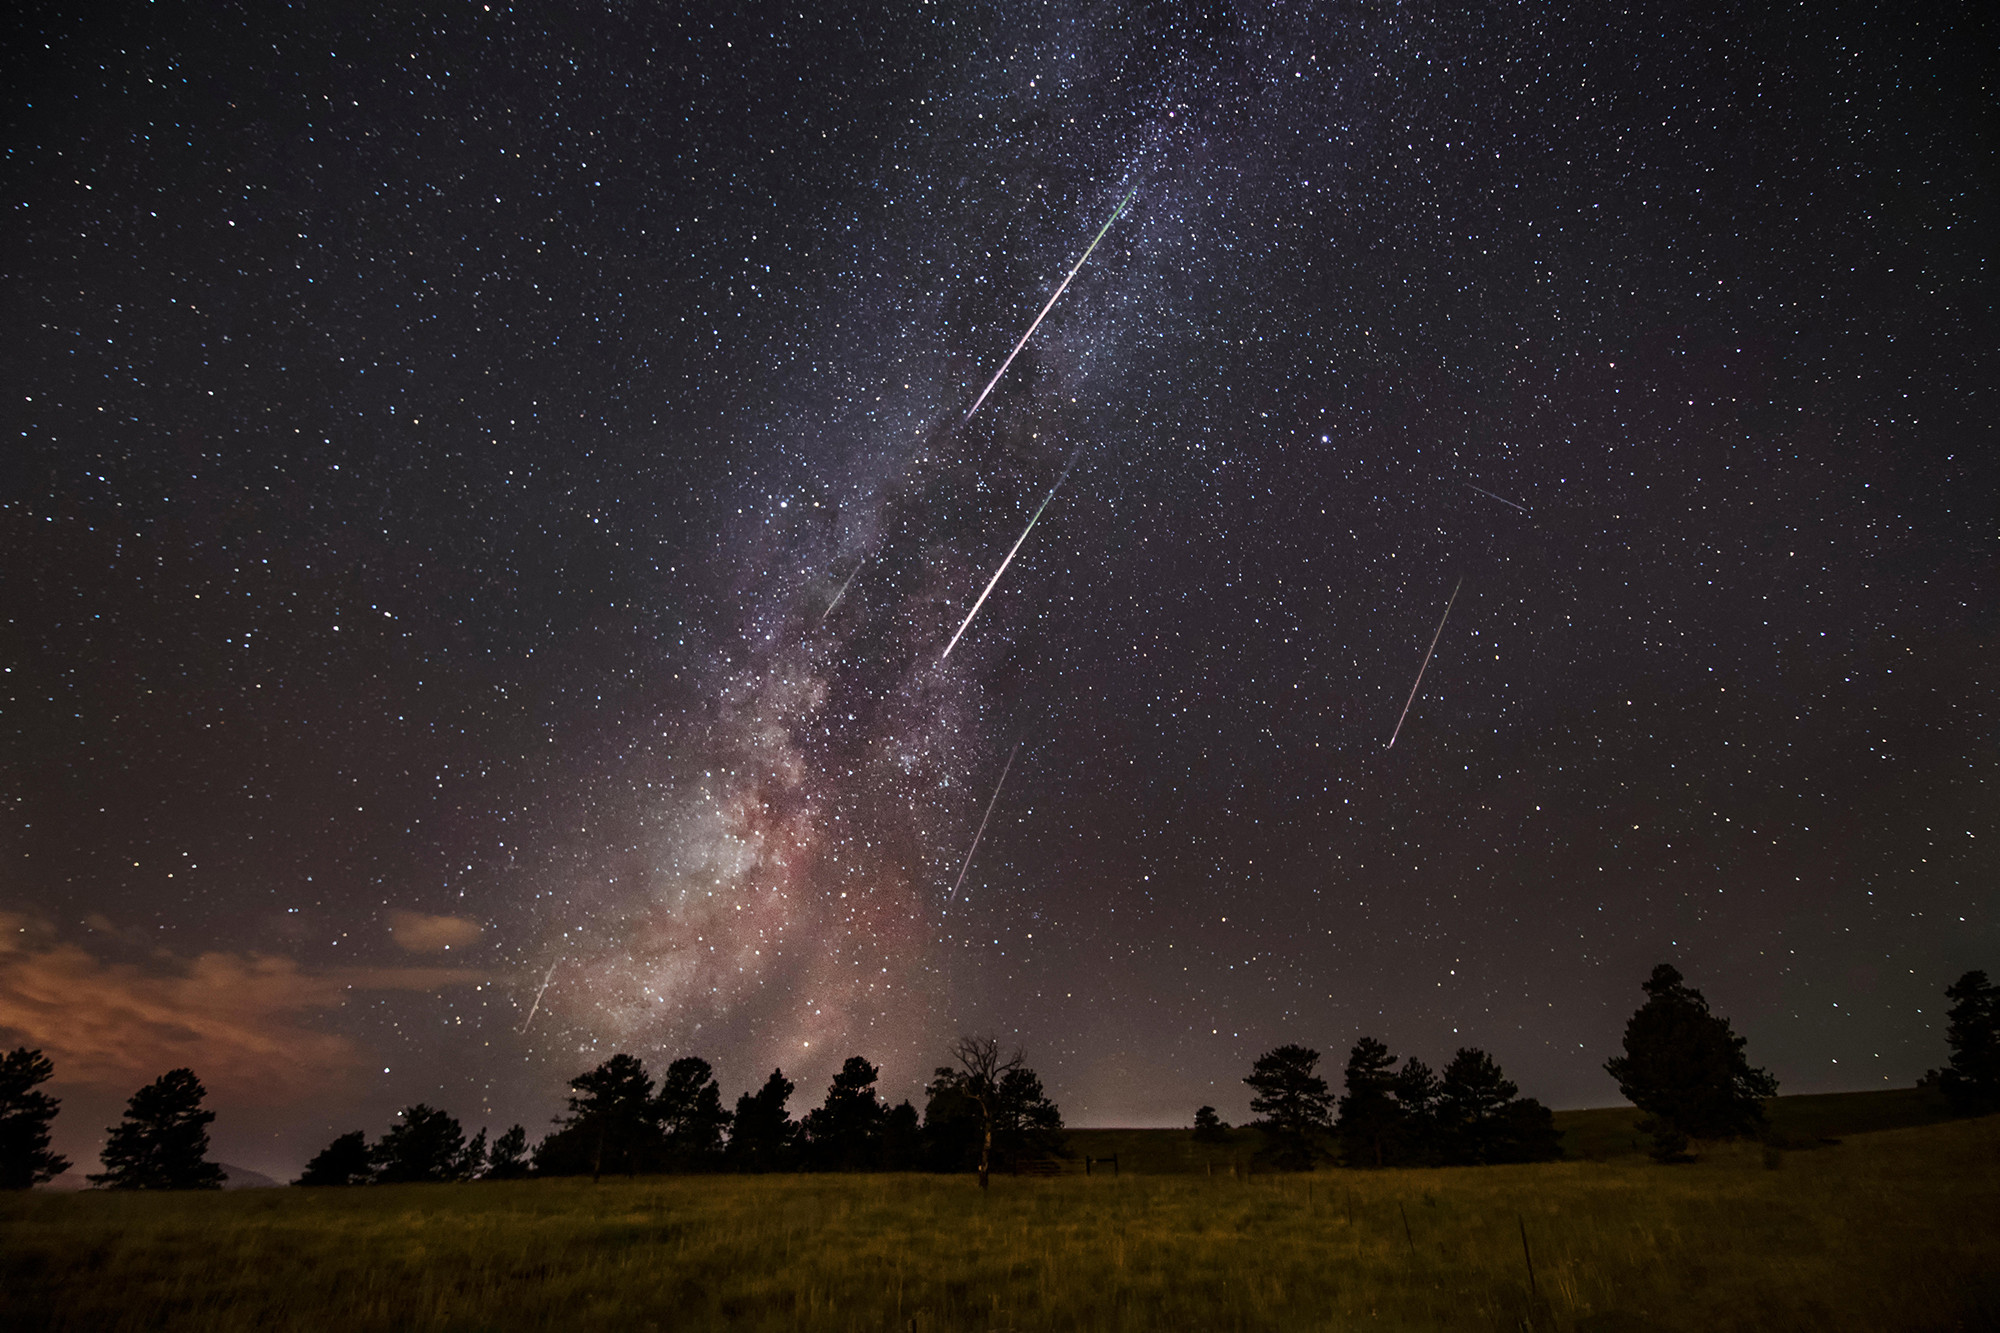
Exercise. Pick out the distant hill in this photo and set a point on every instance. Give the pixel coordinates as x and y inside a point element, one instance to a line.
<point>234,1178</point>
<point>243,1178</point>
<point>1796,1122</point>
<point>1597,1134</point>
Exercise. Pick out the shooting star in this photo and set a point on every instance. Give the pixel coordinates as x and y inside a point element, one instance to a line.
<point>842,593</point>
<point>1010,555</point>
<point>990,802</point>
<point>1501,498</point>
<point>536,1006</point>
<point>1427,661</point>
<point>1050,306</point>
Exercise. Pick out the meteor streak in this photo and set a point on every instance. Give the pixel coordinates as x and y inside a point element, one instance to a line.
<point>1501,498</point>
<point>1050,306</point>
<point>1010,556</point>
<point>1427,661</point>
<point>536,1006</point>
<point>842,593</point>
<point>990,801</point>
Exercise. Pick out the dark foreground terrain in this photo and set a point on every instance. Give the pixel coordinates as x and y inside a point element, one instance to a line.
<point>1887,1229</point>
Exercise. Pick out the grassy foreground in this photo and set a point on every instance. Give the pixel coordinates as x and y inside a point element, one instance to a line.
<point>1895,1229</point>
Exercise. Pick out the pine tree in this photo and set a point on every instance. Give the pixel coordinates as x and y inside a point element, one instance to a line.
<point>1971,1083</point>
<point>1026,1124</point>
<point>611,1116</point>
<point>509,1160</point>
<point>1686,1070</point>
<point>1209,1127</point>
<point>952,1127</point>
<point>429,1145</point>
<point>845,1132</point>
<point>689,1113</point>
<point>1417,1092</point>
<point>1370,1123</point>
<point>1293,1102</point>
<point>345,1161</point>
<point>471,1164</point>
<point>162,1143</point>
<point>764,1135</point>
<point>902,1138</point>
<point>25,1159</point>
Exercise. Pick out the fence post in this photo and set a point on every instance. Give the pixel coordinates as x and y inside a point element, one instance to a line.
<point>1525,1254</point>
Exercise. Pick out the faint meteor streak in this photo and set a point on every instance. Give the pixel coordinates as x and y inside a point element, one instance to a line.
<point>842,593</point>
<point>536,1006</point>
<point>1050,306</point>
<point>1010,556</point>
<point>1501,498</point>
<point>990,802</point>
<point>1427,661</point>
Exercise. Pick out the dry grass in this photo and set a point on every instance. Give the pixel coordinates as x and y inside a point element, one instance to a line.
<point>1888,1230</point>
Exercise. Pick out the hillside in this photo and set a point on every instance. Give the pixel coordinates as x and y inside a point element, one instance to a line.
<point>1595,1134</point>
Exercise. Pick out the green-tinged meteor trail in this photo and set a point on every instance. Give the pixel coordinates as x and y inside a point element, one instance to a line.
<point>1115,213</point>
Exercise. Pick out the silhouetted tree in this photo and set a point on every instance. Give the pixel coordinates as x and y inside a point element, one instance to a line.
<point>902,1138</point>
<point>1686,1070</point>
<point>509,1159</point>
<point>1481,1120</point>
<point>429,1145</point>
<point>345,1161</point>
<point>1370,1123</point>
<point>952,1125</point>
<point>610,1125</point>
<point>1293,1102</point>
<point>1026,1124</point>
<point>690,1116</point>
<point>1416,1141</point>
<point>162,1142</point>
<point>25,1159</point>
<point>1209,1127</point>
<point>845,1132</point>
<point>472,1162</point>
<point>763,1136</point>
<point>980,1069</point>
<point>1971,1082</point>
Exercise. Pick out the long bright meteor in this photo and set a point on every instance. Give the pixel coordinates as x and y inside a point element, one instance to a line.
<point>537,1006</point>
<point>1050,306</point>
<point>990,802</point>
<point>1427,661</point>
<point>1010,556</point>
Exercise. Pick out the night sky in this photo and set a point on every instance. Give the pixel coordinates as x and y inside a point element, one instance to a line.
<point>444,440</point>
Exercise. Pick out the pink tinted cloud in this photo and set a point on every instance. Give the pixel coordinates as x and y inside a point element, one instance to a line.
<point>242,1022</point>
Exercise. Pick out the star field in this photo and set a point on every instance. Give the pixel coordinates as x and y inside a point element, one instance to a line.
<point>494,490</point>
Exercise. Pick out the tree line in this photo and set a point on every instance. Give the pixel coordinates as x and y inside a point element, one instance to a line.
<point>1681,1064</point>
<point>986,1111</point>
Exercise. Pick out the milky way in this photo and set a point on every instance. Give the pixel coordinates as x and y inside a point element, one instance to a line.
<point>495,490</point>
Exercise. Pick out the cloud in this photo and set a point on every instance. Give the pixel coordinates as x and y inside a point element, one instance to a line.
<point>420,933</point>
<point>240,1021</point>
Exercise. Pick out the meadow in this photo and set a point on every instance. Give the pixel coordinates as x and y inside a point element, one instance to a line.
<point>1888,1229</point>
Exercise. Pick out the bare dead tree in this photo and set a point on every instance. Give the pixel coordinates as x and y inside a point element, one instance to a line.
<point>980,1058</point>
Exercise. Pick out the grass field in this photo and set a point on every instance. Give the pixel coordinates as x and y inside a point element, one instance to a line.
<point>1895,1229</point>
